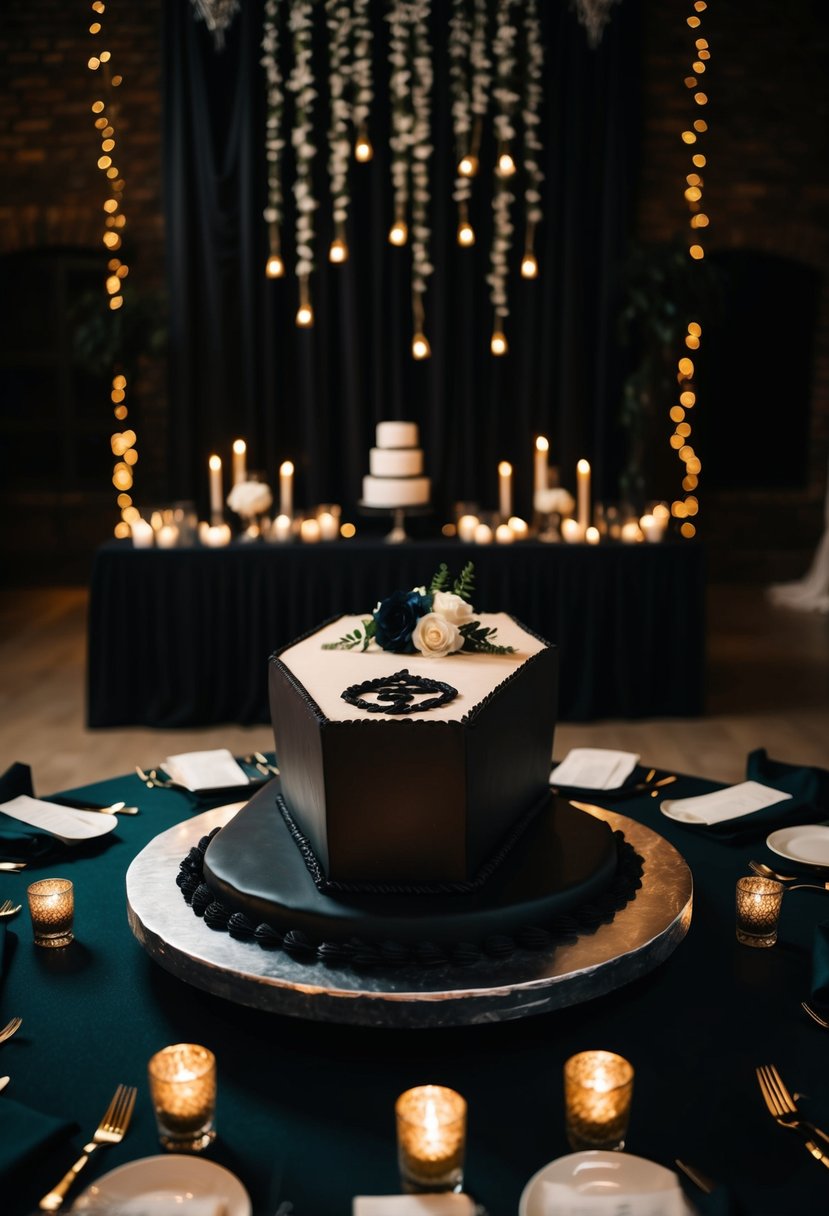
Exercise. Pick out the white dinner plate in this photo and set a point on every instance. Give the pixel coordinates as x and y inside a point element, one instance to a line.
<point>161,1185</point>
<point>599,1173</point>
<point>808,843</point>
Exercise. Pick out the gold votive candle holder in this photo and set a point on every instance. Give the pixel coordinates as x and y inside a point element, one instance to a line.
<point>431,1138</point>
<point>52,908</point>
<point>598,1088</point>
<point>758,910</point>
<point>183,1091</point>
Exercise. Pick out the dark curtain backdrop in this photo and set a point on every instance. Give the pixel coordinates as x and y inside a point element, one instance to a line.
<point>239,365</point>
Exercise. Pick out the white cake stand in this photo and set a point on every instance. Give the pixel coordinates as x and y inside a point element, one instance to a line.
<point>637,940</point>
<point>398,532</point>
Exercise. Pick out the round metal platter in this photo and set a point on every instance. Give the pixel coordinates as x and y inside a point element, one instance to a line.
<point>639,938</point>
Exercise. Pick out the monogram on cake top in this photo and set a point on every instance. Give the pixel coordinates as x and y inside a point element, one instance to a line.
<point>434,623</point>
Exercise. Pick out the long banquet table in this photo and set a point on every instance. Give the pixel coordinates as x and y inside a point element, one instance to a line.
<point>305,1110</point>
<point>181,637</point>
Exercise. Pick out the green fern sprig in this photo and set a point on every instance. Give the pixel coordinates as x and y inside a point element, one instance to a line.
<point>358,637</point>
<point>477,639</point>
<point>440,579</point>
<point>465,585</point>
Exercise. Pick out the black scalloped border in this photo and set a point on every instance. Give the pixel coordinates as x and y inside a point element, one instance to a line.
<point>367,955</point>
<point>396,703</point>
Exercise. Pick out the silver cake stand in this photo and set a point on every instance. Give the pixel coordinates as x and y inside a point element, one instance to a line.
<point>639,938</point>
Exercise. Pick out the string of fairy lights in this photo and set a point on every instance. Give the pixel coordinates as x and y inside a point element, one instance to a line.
<point>105,111</point>
<point>686,508</point>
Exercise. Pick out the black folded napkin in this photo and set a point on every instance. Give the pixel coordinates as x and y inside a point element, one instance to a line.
<point>16,780</point>
<point>24,1135</point>
<point>19,841</point>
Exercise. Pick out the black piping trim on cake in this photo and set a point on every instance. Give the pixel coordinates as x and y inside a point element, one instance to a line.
<point>396,694</point>
<point>363,955</point>
<point>468,719</point>
<point>333,886</point>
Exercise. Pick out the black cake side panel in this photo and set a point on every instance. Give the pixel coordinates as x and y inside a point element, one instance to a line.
<point>298,741</point>
<point>509,749</point>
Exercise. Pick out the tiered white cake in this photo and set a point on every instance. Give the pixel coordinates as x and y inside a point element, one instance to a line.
<point>395,476</point>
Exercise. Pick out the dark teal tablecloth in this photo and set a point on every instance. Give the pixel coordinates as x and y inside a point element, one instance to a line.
<point>305,1110</point>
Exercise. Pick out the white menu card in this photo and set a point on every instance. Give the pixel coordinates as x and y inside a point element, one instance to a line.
<point>594,768</point>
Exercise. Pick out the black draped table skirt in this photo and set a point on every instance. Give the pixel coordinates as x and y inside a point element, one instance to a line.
<point>181,637</point>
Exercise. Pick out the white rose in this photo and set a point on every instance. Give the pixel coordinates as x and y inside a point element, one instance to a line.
<point>434,636</point>
<point>452,608</point>
<point>250,498</point>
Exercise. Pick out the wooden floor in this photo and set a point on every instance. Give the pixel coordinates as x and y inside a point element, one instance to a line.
<point>768,682</point>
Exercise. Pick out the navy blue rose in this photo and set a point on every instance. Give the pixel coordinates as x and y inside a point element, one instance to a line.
<point>396,616</point>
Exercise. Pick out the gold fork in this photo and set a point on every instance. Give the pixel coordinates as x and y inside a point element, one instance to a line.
<point>111,1130</point>
<point>12,866</point>
<point>10,1028</point>
<point>7,908</point>
<point>781,1107</point>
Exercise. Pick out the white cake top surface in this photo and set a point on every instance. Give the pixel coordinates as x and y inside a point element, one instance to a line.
<point>325,674</point>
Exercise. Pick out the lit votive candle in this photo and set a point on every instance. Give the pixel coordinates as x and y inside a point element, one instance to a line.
<point>143,536</point>
<point>431,1137</point>
<point>598,1087</point>
<point>504,535</point>
<point>571,531</point>
<point>505,489</point>
<point>183,1091</point>
<point>240,451</point>
<point>309,531</point>
<point>758,910</point>
<point>651,528</point>
<point>282,528</point>
<point>214,536</point>
<point>328,518</point>
<point>167,536</point>
<point>482,534</point>
<point>286,488</point>
<point>631,533</point>
<point>518,527</point>
<point>466,528</point>
<point>592,536</point>
<point>52,909</point>
<point>583,492</point>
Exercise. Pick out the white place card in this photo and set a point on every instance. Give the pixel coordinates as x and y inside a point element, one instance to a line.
<point>209,770</point>
<point>724,805</point>
<point>67,823</point>
<point>442,1204</point>
<point>594,768</point>
<point>557,1199</point>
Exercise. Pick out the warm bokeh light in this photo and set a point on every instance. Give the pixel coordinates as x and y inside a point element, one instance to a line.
<point>542,444</point>
<point>305,316</point>
<point>338,252</point>
<point>506,165</point>
<point>347,531</point>
<point>420,347</point>
<point>498,343</point>
<point>529,266</point>
<point>363,151</point>
<point>398,233</point>
<point>274,267</point>
<point>468,166</point>
<point>466,234</point>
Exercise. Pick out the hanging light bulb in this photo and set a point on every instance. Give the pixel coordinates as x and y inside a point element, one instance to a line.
<point>274,267</point>
<point>338,251</point>
<point>363,151</point>
<point>420,346</point>
<point>529,265</point>
<point>398,233</point>
<point>305,316</point>
<point>498,342</point>
<point>466,234</point>
<point>468,166</point>
<point>506,164</point>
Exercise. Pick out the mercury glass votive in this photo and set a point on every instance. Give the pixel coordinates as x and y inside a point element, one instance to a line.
<point>52,908</point>
<point>758,910</point>
<point>598,1087</point>
<point>183,1092</point>
<point>431,1137</point>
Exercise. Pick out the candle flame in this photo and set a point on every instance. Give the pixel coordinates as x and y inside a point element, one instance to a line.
<point>239,447</point>
<point>583,467</point>
<point>286,469</point>
<point>504,469</point>
<point>215,462</point>
<point>542,444</point>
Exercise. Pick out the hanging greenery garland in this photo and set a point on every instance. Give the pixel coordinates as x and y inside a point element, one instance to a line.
<point>421,91</point>
<point>361,77</point>
<point>534,67</point>
<point>274,141</point>
<point>338,19</point>
<point>301,85</point>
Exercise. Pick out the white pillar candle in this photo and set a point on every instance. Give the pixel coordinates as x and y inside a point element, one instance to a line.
<point>142,534</point>
<point>542,448</point>
<point>215,467</point>
<point>651,528</point>
<point>572,531</point>
<point>483,534</point>
<point>309,531</point>
<point>214,536</point>
<point>583,481</point>
<point>286,488</point>
<point>518,527</point>
<point>592,536</point>
<point>503,534</point>
<point>167,536</point>
<point>329,527</point>
<point>505,489</point>
<point>281,528</point>
<point>157,521</point>
<point>240,471</point>
<point>466,528</point>
<point>631,532</point>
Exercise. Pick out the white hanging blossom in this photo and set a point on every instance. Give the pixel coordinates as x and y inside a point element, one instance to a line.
<point>594,16</point>
<point>502,199</point>
<point>301,85</point>
<point>274,140</point>
<point>459,55</point>
<point>503,49</point>
<point>481,63</point>
<point>421,90</point>
<point>532,118</point>
<point>361,77</point>
<point>338,19</point>
<point>402,118</point>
